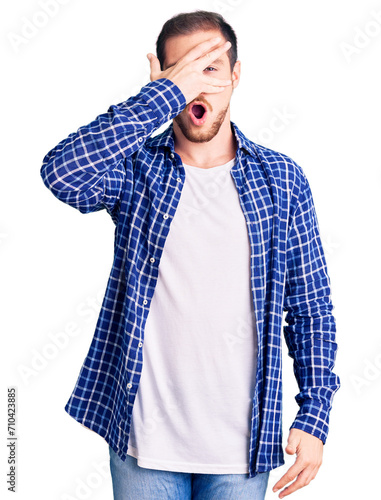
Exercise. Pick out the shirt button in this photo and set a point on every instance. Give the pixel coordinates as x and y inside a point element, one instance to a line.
<point>178,179</point>
<point>140,344</point>
<point>152,260</point>
<point>129,385</point>
<point>165,216</point>
<point>140,139</point>
<point>172,156</point>
<point>169,116</point>
<point>145,302</point>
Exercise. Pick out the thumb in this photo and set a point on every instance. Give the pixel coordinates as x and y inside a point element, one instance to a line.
<point>155,66</point>
<point>291,446</point>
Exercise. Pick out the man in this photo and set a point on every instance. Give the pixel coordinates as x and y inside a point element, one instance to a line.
<point>215,237</point>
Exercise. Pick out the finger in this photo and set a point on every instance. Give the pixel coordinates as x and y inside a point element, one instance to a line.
<point>312,474</point>
<point>210,89</point>
<point>216,82</point>
<point>154,65</point>
<point>211,56</point>
<point>296,485</point>
<point>200,49</point>
<point>214,88</point>
<point>289,476</point>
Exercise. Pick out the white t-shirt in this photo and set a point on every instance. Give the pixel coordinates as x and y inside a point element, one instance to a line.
<point>193,407</point>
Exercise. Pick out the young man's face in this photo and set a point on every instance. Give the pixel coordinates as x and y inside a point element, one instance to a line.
<point>196,125</point>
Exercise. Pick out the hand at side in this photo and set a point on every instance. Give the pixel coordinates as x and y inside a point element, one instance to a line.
<point>309,456</point>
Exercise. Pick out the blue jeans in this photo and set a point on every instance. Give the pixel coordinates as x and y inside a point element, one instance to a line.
<point>131,482</point>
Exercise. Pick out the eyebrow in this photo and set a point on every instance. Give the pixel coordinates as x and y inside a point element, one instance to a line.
<point>217,61</point>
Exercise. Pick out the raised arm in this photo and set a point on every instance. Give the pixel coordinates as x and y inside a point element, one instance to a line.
<point>87,169</point>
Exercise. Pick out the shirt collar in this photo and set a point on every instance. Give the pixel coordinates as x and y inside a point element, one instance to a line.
<point>166,140</point>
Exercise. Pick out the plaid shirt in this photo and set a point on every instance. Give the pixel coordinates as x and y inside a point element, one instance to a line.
<point>115,164</point>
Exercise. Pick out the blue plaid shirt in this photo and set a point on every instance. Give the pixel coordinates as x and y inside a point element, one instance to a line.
<point>114,164</point>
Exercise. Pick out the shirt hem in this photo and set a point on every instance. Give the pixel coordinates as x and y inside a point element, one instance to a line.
<point>149,463</point>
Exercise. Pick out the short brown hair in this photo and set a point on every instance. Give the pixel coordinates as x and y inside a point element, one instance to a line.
<point>186,23</point>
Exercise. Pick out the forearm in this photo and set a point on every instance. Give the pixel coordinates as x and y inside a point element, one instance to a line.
<point>314,352</point>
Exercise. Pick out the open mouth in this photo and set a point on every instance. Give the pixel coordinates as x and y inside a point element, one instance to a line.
<point>198,113</point>
<point>198,110</point>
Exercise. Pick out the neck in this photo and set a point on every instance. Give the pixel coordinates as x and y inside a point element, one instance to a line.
<point>217,151</point>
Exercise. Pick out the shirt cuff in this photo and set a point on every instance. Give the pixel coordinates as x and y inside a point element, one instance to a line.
<point>313,418</point>
<point>164,98</point>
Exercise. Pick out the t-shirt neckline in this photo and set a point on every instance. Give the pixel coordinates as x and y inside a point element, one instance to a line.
<point>226,165</point>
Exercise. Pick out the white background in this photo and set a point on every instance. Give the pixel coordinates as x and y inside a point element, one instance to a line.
<point>316,64</point>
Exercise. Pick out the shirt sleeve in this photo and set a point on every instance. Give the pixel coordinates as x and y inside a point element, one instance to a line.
<point>87,170</point>
<point>311,327</point>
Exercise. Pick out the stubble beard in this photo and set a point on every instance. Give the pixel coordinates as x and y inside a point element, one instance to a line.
<point>200,135</point>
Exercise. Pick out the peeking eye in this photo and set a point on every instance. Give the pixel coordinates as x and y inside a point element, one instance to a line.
<point>210,68</point>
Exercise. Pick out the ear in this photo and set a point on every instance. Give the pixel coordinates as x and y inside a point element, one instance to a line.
<point>236,74</point>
